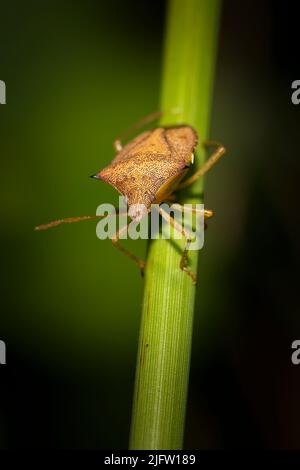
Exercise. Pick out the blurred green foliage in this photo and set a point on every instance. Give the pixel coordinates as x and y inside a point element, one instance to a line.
<point>71,91</point>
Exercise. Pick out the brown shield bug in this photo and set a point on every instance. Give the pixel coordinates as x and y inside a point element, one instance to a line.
<point>148,170</point>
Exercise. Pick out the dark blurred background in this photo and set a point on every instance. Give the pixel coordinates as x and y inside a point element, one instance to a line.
<point>77,74</point>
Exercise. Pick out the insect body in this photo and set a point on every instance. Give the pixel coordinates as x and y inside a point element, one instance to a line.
<point>148,170</point>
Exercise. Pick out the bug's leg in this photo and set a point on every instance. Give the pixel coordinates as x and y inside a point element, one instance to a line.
<point>184,259</point>
<point>216,155</point>
<point>206,213</point>
<point>145,120</point>
<point>70,220</point>
<point>170,198</point>
<point>115,241</point>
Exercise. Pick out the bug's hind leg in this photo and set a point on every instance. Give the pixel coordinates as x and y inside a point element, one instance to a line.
<point>145,120</point>
<point>184,258</point>
<point>142,122</point>
<point>115,241</point>
<point>216,155</point>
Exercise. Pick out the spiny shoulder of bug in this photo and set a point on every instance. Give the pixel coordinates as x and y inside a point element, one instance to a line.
<point>150,166</point>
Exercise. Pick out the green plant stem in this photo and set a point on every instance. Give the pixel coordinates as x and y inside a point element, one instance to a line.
<point>166,329</point>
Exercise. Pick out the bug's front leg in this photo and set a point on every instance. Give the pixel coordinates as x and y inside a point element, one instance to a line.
<point>115,241</point>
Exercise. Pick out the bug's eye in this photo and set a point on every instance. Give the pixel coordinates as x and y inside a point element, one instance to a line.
<point>130,194</point>
<point>148,194</point>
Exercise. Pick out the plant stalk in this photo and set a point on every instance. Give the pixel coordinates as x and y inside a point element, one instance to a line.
<point>163,363</point>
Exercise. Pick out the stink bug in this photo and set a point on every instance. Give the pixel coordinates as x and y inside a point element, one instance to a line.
<point>148,170</point>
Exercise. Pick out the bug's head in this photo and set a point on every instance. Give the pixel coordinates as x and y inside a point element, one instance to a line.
<point>139,203</point>
<point>137,212</point>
